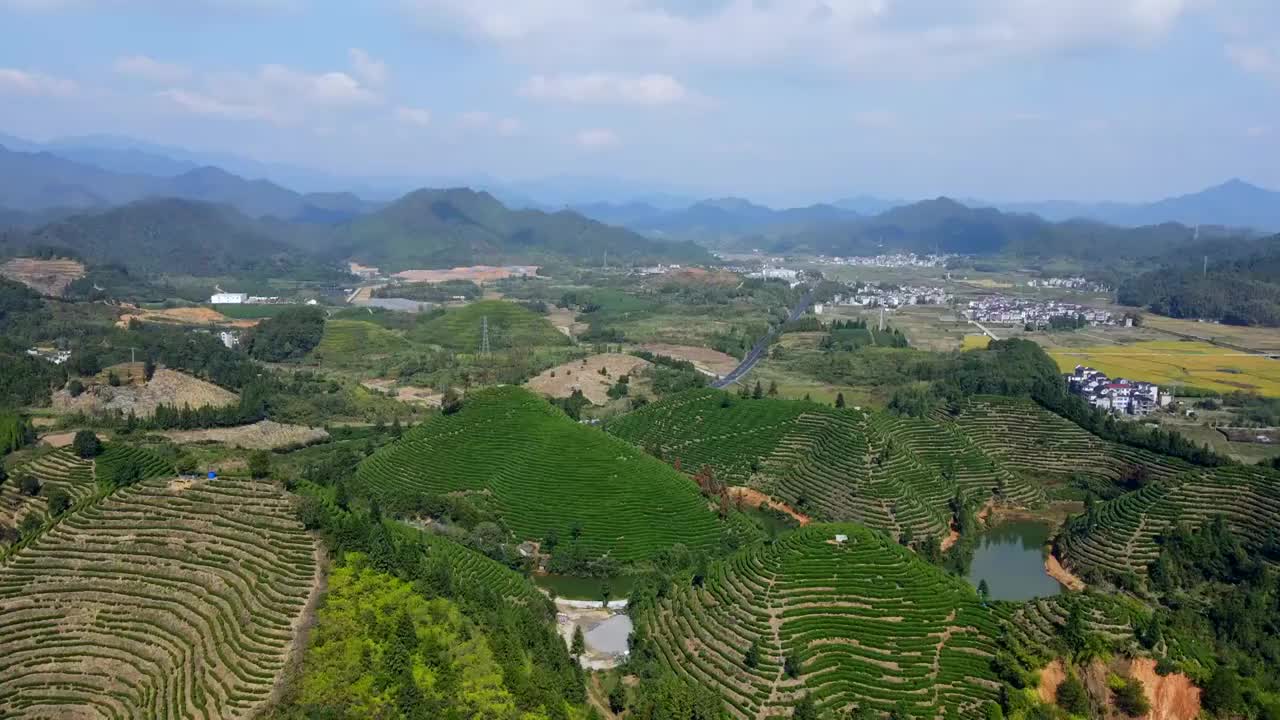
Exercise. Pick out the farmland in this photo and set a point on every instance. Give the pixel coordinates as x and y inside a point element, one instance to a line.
<point>870,624</point>
<point>345,341</point>
<point>160,601</point>
<point>510,327</point>
<point>47,277</point>
<point>1179,363</point>
<point>262,435</point>
<point>166,387</point>
<point>890,473</point>
<point>1119,536</point>
<point>585,375</point>
<point>545,473</point>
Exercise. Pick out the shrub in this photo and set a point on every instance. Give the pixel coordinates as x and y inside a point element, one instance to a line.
<point>75,388</point>
<point>1130,699</point>
<point>259,464</point>
<point>59,502</point>
<point>86,444</point>
<point>1072,697</point>
<point>29,485</point>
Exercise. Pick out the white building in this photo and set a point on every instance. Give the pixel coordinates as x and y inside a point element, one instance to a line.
<point>230,339</point>
<point>229,298</point>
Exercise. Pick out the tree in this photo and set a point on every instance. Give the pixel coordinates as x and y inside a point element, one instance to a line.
<point>3,475</point>
<point>75,388</point>
<point>1222,695</point>
<point>86,444</point>
<point>752,657</point>
<point>839,400</point>
<point>340,496</point>
<point>30,524</point>
<point>618,698</point>
<point>1130,698</point>
<point>148,369</point>
<point>984,591</point>
<point>579,642</point>
<point>259,464</point>
<point>606,591</point>
<point>29,485</point>
<point>791,665</point>
<point>185,464</point>
<point>805,709</point>
<point>758,391</point>
<point>451,402</point>
<point>773,388</point>
<point>112,379</point>
<point>1072,697</point>
<point>59,501</point>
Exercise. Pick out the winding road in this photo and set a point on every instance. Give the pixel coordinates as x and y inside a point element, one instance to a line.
<point>762,346</point>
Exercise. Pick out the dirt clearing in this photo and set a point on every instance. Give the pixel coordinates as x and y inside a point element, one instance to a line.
<point>705,359</point>
<point>755,498</point>
<point>474,273</point>
<point>411,394</point>
<point>566,321</point>
<point>585,375</point>
<point>47,277</point>
<point>263,435</point>
<point>182,316</point>
<point>167,387</point>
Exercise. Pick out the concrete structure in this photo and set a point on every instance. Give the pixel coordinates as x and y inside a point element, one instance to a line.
<point>1119,396</point>
<point>229,299</point>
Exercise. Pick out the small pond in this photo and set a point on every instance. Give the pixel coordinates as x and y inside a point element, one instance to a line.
<point>610,636</point>
<point>585,588</point>
<point>1010,557</point>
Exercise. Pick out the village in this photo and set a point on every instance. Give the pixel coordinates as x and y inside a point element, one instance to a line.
<point>1040,314</point>
<point>891,296</point>
<point>1120,395</point>
<point>1068,283</point>
<point>893,260</point>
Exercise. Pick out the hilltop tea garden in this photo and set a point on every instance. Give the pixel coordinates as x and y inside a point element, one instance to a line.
<point>792,546</point>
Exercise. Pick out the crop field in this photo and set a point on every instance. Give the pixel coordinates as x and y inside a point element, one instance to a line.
<point>47,277</point>
<point>1122,536</point>
<point>1033,442</point>
<point>545,472</point>
<point>872,624</point>
<point>510,327</point>
<point>353,340</point>
<point>561,381</point>
<point>1258,339</point>
<point>890,473</point>
<point>1178,362</point>
<point>162,601</point>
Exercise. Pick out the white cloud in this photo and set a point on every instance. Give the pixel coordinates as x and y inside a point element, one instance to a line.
<point>608,88</point>
<point>597,139</point>
<point>480,120</point>
<point>274,93</point>
<point>1254,59</point>
<point>862,35</point>
<point>22,82</point>
<point>147,68</point>
<point>186,6</point>
<point>1258,131</point>
<point>200,104</point>
<point>414,116</point>
<point>371,71</point>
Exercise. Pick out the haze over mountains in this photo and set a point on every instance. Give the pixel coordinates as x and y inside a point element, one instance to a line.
<point>112,202</point>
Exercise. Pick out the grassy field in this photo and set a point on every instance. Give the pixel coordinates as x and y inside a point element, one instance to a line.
<point>1259,339</point>
<point>252,312</point>
<point>545,473</point>
<point>1177,362</point>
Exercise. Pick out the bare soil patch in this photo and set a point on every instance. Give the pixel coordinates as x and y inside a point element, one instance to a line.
<point>167,387</point>
<point>705,359</point>
<point>755,498</point>
<point>1051,677</point>
<point>1172,697</point>
<point>701,276</point>
<point>47,277</point>
<point>1054,569</point>
<point>474,273</point>
<point>566,322</point>
<point>411,394</point>
<point>58,440</point>
<point>585,375</point>
<point>182,316</point>
<point>263,435</point>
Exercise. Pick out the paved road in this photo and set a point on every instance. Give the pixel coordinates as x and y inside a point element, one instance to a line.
<point>984,330</point>
<point>762,346</point>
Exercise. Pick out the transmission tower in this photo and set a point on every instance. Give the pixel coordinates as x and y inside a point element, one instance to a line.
<point>484,336</point>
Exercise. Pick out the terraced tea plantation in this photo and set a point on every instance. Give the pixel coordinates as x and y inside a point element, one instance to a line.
<point>165,600</point>
<point>1121,537</point>
<point>545,472</point>
<point>510,326</point>
<point>1029,440</point>
<point>59,469</point>
<point>894,474</point>
<point>345,340</point>
<point>871,624</point>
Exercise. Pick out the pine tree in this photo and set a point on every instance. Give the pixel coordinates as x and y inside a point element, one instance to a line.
<point>579,642</point>
<point>773,388</point>
<point>758,391</point>
<point>839,400</point>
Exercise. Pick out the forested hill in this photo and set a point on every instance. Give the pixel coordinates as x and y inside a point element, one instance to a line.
<point>446,228</point>
<point>1243,291</point>
<point>171,236</point>
<point>944,225</point>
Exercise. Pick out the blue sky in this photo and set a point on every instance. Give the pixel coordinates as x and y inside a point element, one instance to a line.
<point>786,101</point>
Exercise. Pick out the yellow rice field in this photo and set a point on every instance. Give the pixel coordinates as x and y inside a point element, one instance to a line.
<point>978,342</point>
<point>1174,362</point>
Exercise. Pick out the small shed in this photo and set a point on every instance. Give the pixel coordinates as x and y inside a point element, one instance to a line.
<point>842,539</point>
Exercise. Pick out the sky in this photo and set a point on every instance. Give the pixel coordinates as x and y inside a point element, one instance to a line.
<point>783,101</point>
